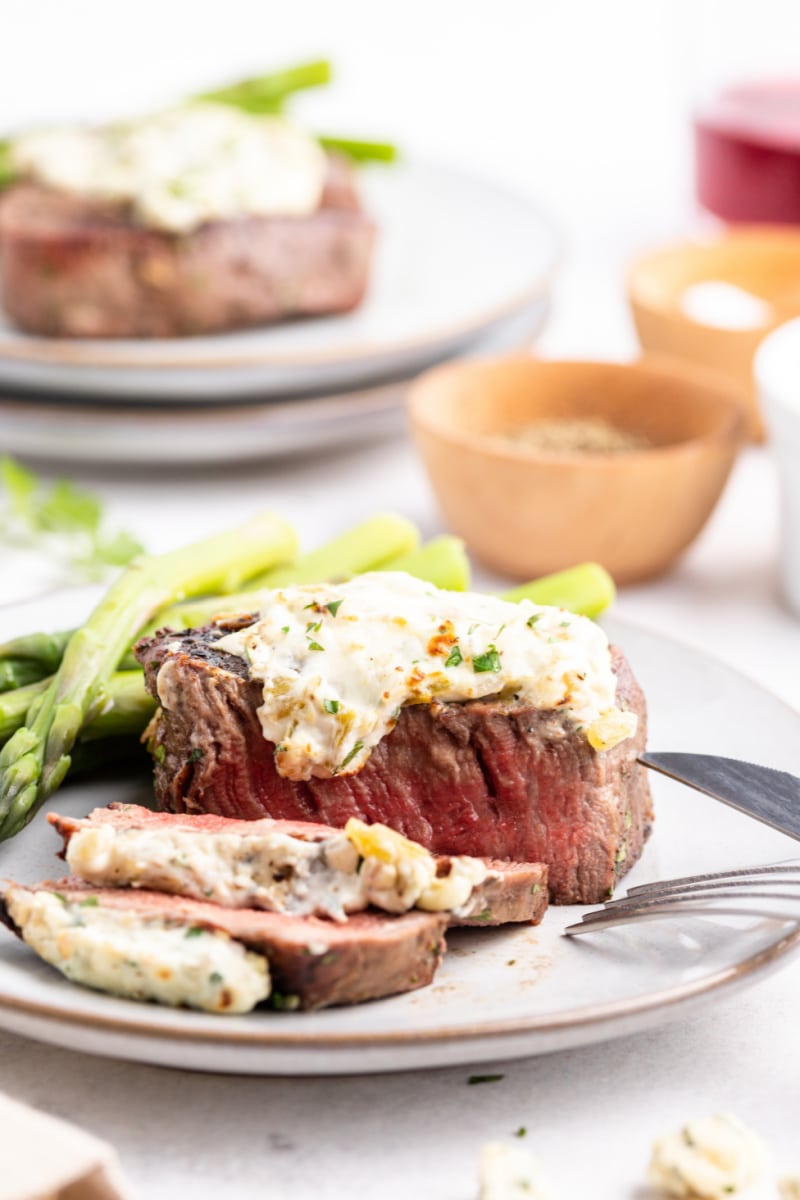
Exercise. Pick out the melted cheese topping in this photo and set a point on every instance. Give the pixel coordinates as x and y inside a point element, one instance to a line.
<point>711,1157</point>
<point>180,168</point>
<point>366,865</point>
<point>339,661</point>
<point>143,958</point>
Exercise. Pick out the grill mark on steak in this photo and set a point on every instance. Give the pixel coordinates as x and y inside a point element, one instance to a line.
<point>490,778</point>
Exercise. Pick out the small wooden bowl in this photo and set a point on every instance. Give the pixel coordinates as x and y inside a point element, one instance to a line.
<point>763,261</point>
<point>525,512</point>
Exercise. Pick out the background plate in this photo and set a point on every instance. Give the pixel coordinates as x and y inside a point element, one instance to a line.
<point>65,430</point>
<point>500,994</point>
<point>454,255</point>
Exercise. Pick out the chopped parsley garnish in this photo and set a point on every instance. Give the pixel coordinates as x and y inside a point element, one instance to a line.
<point>60,896</point>
<point>284,1002</point>
<point>500,630</point>
<point>215,977</point>
<point>313,626</point>
<point>197,753</point>
<point>284,628</point>
<point>333,607</point>
<point>349,758</point>
<point>160,753</point>
<point>485,1079</point>
<point>331,706</point>
<point>90,902</point>
<point>194,931</point>
<point>62,520</point>
<point>521,1132</point>
<point>315,646</point>
<point>490,661</point>
<point>486,915</point>
<point>454,658</point>
<point>531,621</point>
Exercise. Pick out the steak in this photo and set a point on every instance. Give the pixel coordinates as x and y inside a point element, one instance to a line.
<point>510,893</point>
<point>72,266</point>
<point>313,963</point>
<point>491,778</point>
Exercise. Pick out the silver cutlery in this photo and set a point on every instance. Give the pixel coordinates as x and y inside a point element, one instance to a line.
<point>770,796</point>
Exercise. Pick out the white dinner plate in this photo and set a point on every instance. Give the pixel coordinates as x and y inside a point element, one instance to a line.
<point>454,255</point>
<point>63,429</point>
<point>499,994</point>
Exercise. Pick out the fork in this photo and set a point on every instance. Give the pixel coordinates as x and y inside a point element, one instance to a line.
<point>740,893</point>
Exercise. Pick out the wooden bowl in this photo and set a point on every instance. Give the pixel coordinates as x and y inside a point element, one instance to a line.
<point>525,512</point>
<point>763,261</point>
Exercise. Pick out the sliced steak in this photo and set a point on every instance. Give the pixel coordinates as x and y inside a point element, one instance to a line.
<point>313,963</point>
<point>490,778</point>
<point>511,892</point>
<point>72,266</point>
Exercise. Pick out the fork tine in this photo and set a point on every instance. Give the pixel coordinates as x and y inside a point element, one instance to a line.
<point>676,888</point>
<point>787,867</point>
<point>600,919</point>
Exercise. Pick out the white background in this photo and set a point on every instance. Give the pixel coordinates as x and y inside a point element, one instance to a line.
<point>585,106</point>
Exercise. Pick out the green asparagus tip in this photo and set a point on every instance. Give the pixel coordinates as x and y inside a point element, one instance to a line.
<point>587,589</point>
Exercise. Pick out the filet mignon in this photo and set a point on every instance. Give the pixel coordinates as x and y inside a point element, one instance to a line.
<point>490,778</point>
<point>72,266</point>
<point>313,963</point>
<point>510,893</point>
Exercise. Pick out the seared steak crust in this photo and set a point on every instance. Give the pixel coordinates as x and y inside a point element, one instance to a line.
<point>73,266</point>
<point>490,778</point>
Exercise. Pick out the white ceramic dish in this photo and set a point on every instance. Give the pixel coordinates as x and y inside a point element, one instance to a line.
<point>455,255</point>
<point>500,994</point>
<point>65,430</point>
<point>776,368</point>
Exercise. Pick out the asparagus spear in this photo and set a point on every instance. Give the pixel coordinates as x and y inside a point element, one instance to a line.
<point>381,537</point>
<point>266,93</point>
<point>17,673</point>
<point>441,561</point>
<point>37,757</point>
<point>365,547</point>
<point>358,149</point>
<point>587,589</point>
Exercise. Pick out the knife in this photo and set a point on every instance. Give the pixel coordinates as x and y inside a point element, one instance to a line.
<point>768,795</point>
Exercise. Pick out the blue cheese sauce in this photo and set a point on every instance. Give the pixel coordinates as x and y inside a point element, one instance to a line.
<point>140,957</point>
<point>338,662</point>
<point>713,1157</point>
<point>365,865</point>
<point>178,169</point>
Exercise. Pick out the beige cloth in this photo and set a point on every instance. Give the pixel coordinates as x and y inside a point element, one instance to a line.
<point>43,1158</point>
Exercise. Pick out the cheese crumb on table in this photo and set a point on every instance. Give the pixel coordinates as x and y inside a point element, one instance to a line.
<point>510,1173</point>
<point>712,1157</point>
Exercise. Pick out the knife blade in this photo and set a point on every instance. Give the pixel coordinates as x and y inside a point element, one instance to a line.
<point>762,792</point>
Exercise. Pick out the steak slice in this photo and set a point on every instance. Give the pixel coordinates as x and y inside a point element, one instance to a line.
<point>313,963</point>
<point>490,778</point>
<point>73,266</point>
<point>511,892</point>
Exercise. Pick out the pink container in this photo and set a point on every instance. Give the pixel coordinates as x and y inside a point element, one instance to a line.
<point>747,152</point>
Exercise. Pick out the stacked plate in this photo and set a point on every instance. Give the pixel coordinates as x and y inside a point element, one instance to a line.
<point>462,267</point>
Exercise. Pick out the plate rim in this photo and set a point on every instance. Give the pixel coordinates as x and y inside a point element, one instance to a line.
<point>195,1028</point>
<point>76,353</point>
